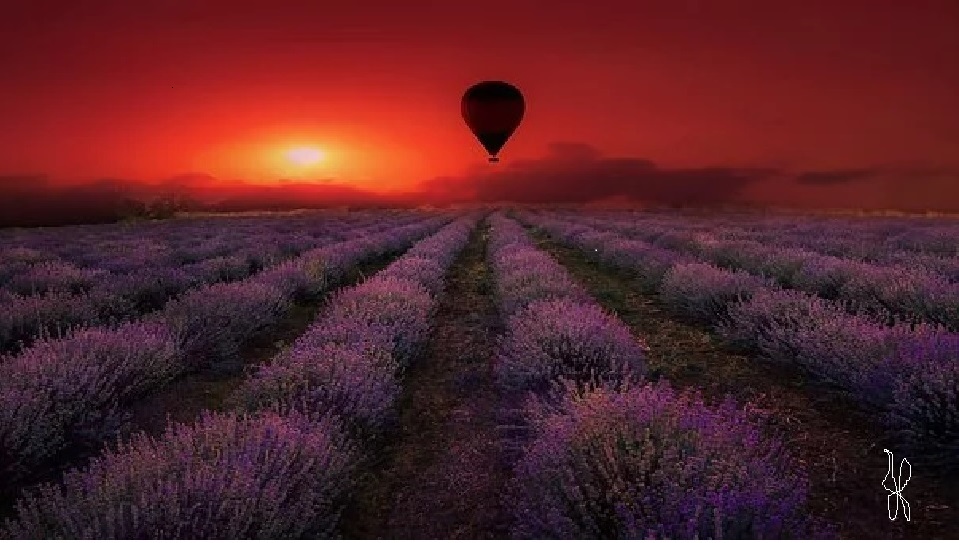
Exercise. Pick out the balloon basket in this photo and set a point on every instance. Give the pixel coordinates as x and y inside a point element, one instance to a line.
<point>493,159</point>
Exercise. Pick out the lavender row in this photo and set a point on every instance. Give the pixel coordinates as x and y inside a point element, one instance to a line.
<point>877,249</point>
<point>610,457</point>
<point>867,238</point>
<point>888,292</point>
<point>886,246</point>
<point>286,467</point>
<point>61,393</point>
<point>124,248</point>
<point>107,297</point>
<point>350,361</point>
<point>909,372</point>
<point>554,332</point>
<point>29,271</point>
<point>82,296</point>
<point>226,476</point>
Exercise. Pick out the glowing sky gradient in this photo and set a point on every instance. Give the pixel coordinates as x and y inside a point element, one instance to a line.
<point>151,89</point>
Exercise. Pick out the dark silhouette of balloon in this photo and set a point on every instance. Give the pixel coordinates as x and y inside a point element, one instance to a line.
<point>493,110</point>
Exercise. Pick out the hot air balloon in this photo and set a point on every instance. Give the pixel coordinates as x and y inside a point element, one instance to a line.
<point>493,110</point>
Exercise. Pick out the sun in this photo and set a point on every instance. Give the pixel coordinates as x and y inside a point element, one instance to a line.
<point>305,156</point>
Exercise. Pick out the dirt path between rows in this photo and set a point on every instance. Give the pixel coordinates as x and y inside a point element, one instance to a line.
<point>840,446</point>
<point>440,474</point>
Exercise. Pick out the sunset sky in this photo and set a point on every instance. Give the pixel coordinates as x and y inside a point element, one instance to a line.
<point>150,89</point>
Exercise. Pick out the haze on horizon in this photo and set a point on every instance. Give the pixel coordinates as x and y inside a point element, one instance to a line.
<point>818,103</point>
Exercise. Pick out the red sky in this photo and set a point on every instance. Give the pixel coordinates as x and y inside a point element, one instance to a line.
<point>150,89</point>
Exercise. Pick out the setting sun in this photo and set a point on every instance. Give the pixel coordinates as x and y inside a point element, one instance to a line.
<point>305,156</point>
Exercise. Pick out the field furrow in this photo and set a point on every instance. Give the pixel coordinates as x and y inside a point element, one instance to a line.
<point>283,463</point>
<point>839,444</point>
<point>908,372</point>
<point>440,474</point>
<point>609,454</point>
<point>61,394</point>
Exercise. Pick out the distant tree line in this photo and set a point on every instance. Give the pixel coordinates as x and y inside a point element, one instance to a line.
<point>30,206</point>
<point>28,201</point>
<point>164,207</point>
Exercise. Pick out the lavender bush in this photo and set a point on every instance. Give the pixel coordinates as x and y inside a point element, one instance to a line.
<point>861,342</point>
<point>69,391</point>
<point>213,322</point>
<point>16,260</point>
<point>221,269</point>
<point>525,274</point>
<point>304,278</point>
<point>648,262</point>
<point>60,392</point>
<point>425,271</point>
<point>651,463</point>
<point>398,307</point>
<point>825,275</point>
<point>908,292</point>
<point>26,318</point>
<point>532,276</point>
<point>945,266</point>
<point>151,288</point>
<point>356,386</point>
<point>849,351</point>
<point>903,291</point>
<point>552,341</point>
<point>54,275</point>
<point>925,406</point>
<point>147,274</point>
<point>224,477</point>
<point>704,292</point>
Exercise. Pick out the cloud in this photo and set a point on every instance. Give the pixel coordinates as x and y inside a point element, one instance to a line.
<point>836,177</point>
<point>574,172</point>
<point>577,173</point>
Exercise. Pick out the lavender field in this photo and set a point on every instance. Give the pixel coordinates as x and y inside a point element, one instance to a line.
<point>487,373</point>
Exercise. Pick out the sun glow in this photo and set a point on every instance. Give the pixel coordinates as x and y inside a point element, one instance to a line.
<point>305,156</point>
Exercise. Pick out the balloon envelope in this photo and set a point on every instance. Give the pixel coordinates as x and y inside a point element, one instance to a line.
<point>493,110</point>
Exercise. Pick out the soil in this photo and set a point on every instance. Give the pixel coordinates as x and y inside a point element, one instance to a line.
<point>440,474</point>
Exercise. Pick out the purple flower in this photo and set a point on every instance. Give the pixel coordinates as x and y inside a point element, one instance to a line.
<point>332,379</point>
<point>61,391</point>
<point>223,477</point>
<point>524,273</point>
<point>651,463</point>
<point>551,341</point>
<point>214,321</point>
<point>852,352</point>
<point>704,292</point>
<point>55,275</point>
<point>925,406</point>
<point>24,319</point>
<point>398,307</point>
